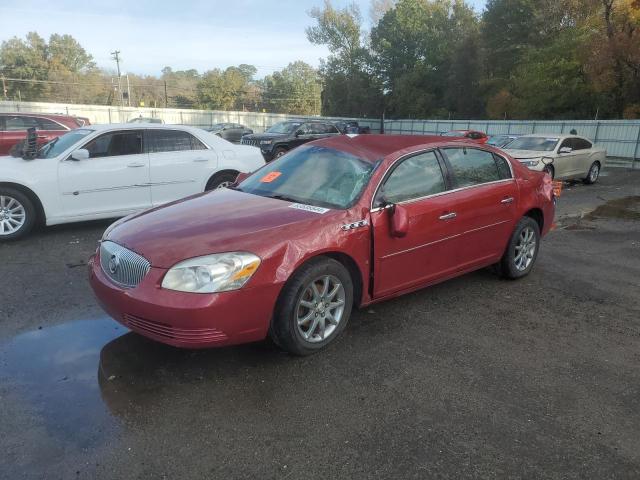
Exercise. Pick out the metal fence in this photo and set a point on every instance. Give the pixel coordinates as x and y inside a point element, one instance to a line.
<point>198,118</point>
<point>621,138</point>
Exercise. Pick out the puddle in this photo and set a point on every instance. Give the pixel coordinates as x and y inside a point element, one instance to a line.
<point>48,379</point>
<point>627,208</point>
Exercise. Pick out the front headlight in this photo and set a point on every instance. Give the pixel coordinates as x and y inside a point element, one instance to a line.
<point>266,142</point>
<point>531,163</point>
<point>220,272</point>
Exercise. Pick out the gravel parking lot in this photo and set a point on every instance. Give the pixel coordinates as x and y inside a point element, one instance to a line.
<point>475,377</point>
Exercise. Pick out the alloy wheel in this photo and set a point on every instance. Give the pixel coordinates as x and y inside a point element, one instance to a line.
<point>320,308</point>
<point>525,248</point>
<point>224,184</point>
<point>12,215</point>
<point>594,172</point>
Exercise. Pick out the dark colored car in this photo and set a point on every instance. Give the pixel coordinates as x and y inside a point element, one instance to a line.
<point>284,136</point>
<point>13,127</point>
<point>337,223</point>
<point>501,141</point>
<point>351,127</point>
<point>232,132</point>
<point>471,135</point>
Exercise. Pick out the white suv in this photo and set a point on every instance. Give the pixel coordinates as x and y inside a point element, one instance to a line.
<point>108,171</point>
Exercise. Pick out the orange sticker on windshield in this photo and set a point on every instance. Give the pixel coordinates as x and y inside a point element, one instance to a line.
<point>270,177</point>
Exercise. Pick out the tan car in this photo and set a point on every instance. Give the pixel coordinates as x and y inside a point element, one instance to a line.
<point>564,157</point>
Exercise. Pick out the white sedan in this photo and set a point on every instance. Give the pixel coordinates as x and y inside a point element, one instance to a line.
<point>109,171</point>
<point>564,157</point>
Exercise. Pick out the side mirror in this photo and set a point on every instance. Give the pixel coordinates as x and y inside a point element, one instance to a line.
<point>565,150</point>
<point>80,154</point>
<point>241,177</point>
<point>399,221</point>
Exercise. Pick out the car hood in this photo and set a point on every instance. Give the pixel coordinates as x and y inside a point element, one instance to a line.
<point>525,154</point>
<point>265,136</point>
<point>223,220</point>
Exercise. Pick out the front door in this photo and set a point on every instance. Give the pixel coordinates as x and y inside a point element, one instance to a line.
<point>427,252</point>
<point>114,180</point>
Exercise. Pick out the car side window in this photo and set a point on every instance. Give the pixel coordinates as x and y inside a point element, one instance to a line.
<point>171,141</point>
<point>115,143</point>
<point>415,177</point>
<point>46,124</point>
<point>472,166</point>
<point>581,144</point>
<point>331,128</point>
<point>18,122</point>
<point>567,143</point>
<point>503,167</point>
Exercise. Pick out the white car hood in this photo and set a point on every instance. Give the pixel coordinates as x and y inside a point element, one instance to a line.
<point>526,154</point>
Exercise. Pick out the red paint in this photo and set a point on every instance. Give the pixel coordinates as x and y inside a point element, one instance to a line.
<point>431,250</point>
<point>474,136</point>
<point>8,138</point>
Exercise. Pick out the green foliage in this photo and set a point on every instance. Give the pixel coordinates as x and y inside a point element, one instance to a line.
<point>295,89</point>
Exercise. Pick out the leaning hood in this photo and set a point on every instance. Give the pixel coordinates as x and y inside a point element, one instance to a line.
<point>219,221</point>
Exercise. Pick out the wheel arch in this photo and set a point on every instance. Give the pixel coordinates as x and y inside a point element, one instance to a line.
<point>219,173</point>
<point>40,213</point>
<point>538,215</point>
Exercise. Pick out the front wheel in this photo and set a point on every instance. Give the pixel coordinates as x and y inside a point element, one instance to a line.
<point>17,214</point>
<point>279,152</point>
<point>314,307</point>
<point>594,173</point>
<point>522,251</point>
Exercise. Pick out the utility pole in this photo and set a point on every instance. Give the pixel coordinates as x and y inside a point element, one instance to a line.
<point>116,57</point>
<point>166,99</point>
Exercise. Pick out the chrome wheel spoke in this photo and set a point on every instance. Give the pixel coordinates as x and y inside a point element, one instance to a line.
<point>320,308</point>
<point>12,215</point>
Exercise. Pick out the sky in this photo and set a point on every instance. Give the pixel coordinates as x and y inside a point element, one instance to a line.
<point>183,34</point>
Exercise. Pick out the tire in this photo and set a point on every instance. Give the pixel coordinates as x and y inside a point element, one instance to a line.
<point>17,214</point>
<point>304,321</point>
<point>221,180</point>
<point>526,236</point>
<point>280,151</point>
<point>550,170</point>
<point>593,174</point>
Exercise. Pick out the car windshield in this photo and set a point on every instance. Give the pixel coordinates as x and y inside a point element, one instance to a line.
<point>453,134</point>
<point>536,144</point>
<point>58,145</point>
<point>284,127</point>
<point>312,175</point>
<point>217,126</point>
<point>497,140</point>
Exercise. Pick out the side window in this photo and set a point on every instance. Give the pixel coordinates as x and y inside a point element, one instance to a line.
<point>472,166</point>
<point>415,177</point>
<point>581,144</point>
<point>317,129</point>
<point>46,124</point>
<point>305,129</point>
<point>18,122</point>
<point>331,128</point>
<point>568,142</point>
<point>171,141</point>
<point>115,143</point>
<point>503,167</point>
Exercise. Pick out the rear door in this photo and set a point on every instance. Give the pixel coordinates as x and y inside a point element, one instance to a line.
<point>113,180</point>
<point>582,149</point>
<point>484,201</point>
<point>427,252</point>
<point>15,130</point>
<point>180,164</point>
<point>566,164</point>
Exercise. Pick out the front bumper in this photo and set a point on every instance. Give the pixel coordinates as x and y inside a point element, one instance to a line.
<point>182,319</point>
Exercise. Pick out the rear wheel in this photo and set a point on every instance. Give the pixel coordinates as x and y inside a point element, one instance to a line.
<point>314,307</point>
<point>17,214</point>
<point>594,173</point>
<point>221,180</point>
<point>522,251</point>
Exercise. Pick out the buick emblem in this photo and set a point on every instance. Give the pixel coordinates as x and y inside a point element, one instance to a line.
<point>114,263</point>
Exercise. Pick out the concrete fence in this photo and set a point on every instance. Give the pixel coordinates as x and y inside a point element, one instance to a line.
<point>621,138</point>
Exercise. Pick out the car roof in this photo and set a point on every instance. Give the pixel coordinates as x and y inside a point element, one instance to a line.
<point>140,126</point>
<point>55,116</point>
<point>373,147</point>
<point>559,136</point>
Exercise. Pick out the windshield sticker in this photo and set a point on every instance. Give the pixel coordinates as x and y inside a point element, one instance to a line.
<point>309,208</point>
<point>270,177</point>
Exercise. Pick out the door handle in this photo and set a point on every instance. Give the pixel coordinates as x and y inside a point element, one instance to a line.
<point>200,160</point>
<point>42,136</point>
<point>136,165</point>
<point>508,200</point>
<point>448,216</point>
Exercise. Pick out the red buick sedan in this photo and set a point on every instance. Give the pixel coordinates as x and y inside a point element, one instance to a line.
<point>340,222</point>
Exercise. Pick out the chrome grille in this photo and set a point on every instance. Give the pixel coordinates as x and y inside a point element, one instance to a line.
<point>121,265</point>
<point>249,141</point>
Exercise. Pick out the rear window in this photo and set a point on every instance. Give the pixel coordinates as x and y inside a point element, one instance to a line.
<point>157,141</point>
<point>473,167</point>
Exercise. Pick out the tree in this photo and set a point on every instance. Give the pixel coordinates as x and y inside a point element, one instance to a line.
<point>25,59</point>
<point>295,89</point>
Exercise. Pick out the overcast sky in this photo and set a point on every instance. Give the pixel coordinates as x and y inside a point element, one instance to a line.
<point>201,34</point>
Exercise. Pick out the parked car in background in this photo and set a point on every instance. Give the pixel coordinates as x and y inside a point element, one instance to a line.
<point>13,127</point>
<point>231,132</point>
<point>108,171</point>
<point>501,141</point>
<point>337,223</point>
<point>351,127</point>
<point>284,136</point>
<point>472,135</point>
<point>562,156</point>
<point>142,119</point>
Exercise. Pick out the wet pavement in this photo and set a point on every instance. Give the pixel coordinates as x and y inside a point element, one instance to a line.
<point>474,378</point>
